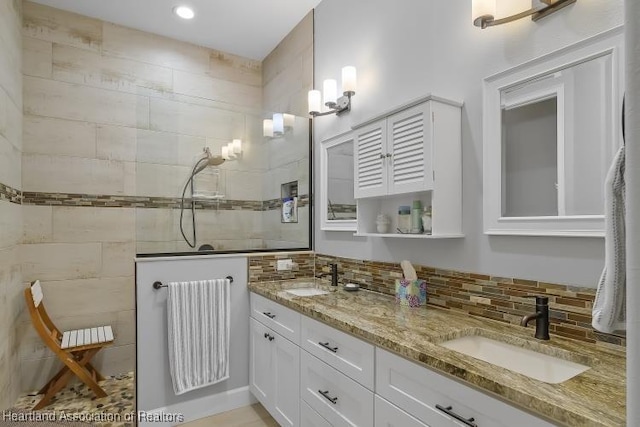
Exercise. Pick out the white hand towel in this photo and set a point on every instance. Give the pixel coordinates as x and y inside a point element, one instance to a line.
<point>609,309</point>
<point>198,331</point>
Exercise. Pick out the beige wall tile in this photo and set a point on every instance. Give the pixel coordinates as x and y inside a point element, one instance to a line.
<point>128,43</point>
<point>295,44</point>
<point>38,224</point>
<point>235,68</point>
<point>58,261</point>
<point>195,120</point>
<point>116,143</point>
<point>88,296</point>
<point>10,120</point>
<point>10,224</point>
<point>75,65</point>
<point>158,147</point>
<point>130,178</point>
<point>155,180</point>
<point>155,225</point>
<point>143,112</point>
<point>61,174</point>
<point>242,185</point>
<point>125,327</point>
<point>11,66</point>
<point>118,258</point>
<point>45,135</point>
<point>58,26</point>
<point>155,247</point>
<point>115,360</point>
<point>35,373</point>
<point>10,164</point>
<point>75,102</point>
<point>37,57</point>
<point>216,89</point>
<point>93,224</point>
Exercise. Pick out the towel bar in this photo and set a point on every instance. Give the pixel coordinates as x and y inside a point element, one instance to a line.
<point>158,285</point>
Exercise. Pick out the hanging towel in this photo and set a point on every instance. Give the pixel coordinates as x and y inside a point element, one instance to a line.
<point>198,331</point>
<point>609,311</point>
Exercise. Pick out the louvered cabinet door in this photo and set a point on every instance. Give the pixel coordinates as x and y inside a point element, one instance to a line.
<point>410,145</point>
<point>371,160</point>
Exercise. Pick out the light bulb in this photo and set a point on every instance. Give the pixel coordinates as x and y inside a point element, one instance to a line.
<point>349,80</point>
<point>225,152</point>
<point>330,91</point>
<point>315,101</point>
<point>278,124</point>
<point>231,153</point>
<point>237,146</point>
<point>267,128</point>
<point>184,12</point>
<point>481,8</point>
<point>289,120</point>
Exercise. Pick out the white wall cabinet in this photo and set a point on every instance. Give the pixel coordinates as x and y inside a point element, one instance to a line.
<point>411,153</point>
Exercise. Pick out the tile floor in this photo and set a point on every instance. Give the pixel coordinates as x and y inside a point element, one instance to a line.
<point>248,416</point>
<point>116,409</point>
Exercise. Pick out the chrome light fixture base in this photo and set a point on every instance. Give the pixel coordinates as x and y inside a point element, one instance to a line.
<point>536,13</point>
<point>342,105</point>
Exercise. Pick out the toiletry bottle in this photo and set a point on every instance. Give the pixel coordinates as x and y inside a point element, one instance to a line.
<point>416,220</point>
<point>404,219</point>
<point>427,222</point>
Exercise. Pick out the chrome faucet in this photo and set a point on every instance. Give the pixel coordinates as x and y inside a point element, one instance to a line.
<point>542,318</point>
<point>333,273</point>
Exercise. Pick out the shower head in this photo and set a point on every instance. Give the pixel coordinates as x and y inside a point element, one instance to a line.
<point>207,160</point>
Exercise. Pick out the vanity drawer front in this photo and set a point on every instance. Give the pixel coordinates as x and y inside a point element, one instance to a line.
<point>310,418</point>
<point>282,320</point>
<point>336,397</point>
<point>349,355</point>
<point>388,415</point>
<point>420,391</point>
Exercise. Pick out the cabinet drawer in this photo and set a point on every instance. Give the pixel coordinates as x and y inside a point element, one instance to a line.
<point>310,418</point>
<point>336,397</point>
<point>349,355</point>
<point>388,415</point>
<point>282,320</point>
<point>418,390</point>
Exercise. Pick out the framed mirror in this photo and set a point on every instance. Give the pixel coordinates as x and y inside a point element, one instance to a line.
<point>551,130</point>
<point>338,210</point>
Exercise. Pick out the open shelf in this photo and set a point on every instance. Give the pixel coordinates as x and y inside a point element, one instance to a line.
<point>411,236</point>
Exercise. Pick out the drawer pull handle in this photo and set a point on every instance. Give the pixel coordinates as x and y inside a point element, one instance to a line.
<point>269,315</point>
<point>449,411</point>
<point>328,347</point>
<point>270,337</point>
<point>325,394</point>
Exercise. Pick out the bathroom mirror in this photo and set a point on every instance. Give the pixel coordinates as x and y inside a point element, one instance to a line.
<point>337,202</point>
<point>551,129</point>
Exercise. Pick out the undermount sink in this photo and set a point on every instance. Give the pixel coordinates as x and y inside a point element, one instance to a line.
<point>306,292</point>
<point>527,362</point>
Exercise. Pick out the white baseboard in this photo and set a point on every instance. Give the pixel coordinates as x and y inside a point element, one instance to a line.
<point>192,410</point>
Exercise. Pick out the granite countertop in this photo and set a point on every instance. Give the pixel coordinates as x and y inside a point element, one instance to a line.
<point>593,398</point>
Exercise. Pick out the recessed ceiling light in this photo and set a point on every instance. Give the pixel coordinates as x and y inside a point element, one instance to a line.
<point>184,12</point>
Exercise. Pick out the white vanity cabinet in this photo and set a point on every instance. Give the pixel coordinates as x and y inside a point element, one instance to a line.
<point>274,371</point>
<point>436,400</point>
<point>411,153</point>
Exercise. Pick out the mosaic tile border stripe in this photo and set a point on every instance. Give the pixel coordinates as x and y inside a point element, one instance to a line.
<point>498,298</point>
<point>263,268</point>
<point>10,194</point>
<point>111,201</point>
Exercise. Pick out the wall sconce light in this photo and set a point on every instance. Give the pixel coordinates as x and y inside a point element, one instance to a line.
<point>330,93</point>
<point>278,124</point>
<point>484,11</point>
<point>232,150</point>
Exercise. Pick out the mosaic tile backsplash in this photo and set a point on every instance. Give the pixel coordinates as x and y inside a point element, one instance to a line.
<point>499,298</point>
<point>263,268</point>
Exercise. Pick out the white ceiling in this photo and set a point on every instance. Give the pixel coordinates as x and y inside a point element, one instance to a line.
<point>249,28</point>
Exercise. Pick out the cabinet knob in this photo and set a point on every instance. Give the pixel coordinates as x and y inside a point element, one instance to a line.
<point>389,155</point>
<point>382,156</point>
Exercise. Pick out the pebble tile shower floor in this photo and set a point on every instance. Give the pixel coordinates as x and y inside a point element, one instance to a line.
<point>78,398</point>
